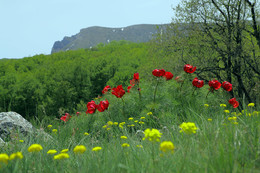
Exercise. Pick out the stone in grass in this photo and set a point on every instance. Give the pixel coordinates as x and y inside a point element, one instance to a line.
<point>13,125</point>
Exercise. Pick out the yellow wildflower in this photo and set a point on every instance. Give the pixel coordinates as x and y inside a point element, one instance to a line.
<point>131,125</point>
<point>125,145</point>
<point>79,149</point>
<point>86,134</point>
<point>64,150</point>
<point>251,105</point>
<point>110,123</point>
<point>136,121</point>
<point>167,146</point>
<point>123,137</point>
<point>54,131</point>
<point>17,155</point>
<point>121,124</point>
<point>210,119</point>
<point>232,118</point>
<point>105,126</point>
<point>206,105</point>
<point>21,141</point>
<point>61,156</point>
<point>188,127</point>
<point>223,105</point>
<point>149,113</point>
<point>115,123</point>
<point>4,158</point>
<point>141,122</point>
<point>51,152</point>
<point>96,149</point>
<point>152,135</point>
<point>226,111</point>
<point>131,118</point>
<point>49,126</point>
<point>139,146</point>
<point>35,148</point>
<point>142,118</point>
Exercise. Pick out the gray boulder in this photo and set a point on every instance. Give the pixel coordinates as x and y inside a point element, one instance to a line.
<point>13,125</point>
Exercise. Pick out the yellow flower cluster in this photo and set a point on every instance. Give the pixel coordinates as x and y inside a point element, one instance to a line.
<point>80,149</point>
<point>64,150</point>
<point>17,155</point>
<point>152,135</point>
<point>167,146</point>
<point>35,148</point>
<point>251,105</point>
<point>61,156</point>
<point>124,145</point>
<point>51,152</point>
<point>149,113</point>
<point>123,137</point>
<point>233,120</point>
<point>96,148</point>
<point>109,125</point>
<point>4,158</point>
<point>188,128</point>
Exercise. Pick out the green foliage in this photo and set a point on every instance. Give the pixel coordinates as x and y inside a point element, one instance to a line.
<point>43,84</point>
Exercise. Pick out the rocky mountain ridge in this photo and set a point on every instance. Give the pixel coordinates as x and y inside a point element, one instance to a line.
<point>91,36</point>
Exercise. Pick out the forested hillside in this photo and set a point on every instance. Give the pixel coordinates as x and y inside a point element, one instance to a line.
<point>51,84</point>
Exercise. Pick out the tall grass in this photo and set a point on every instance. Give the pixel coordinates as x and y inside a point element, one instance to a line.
<point>221,143</point>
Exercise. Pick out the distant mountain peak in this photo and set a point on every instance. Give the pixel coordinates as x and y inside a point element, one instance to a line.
<point>91,36</point>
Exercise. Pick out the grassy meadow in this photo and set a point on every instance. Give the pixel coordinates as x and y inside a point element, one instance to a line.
<point>190,130</point>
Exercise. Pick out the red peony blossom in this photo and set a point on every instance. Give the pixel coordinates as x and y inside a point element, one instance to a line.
<point>106,89</point>
<point>91,107</point>
<point>168,75</point>
<point>128,89</point>
<point>227,86</point>
<point>136,77</point>
<point>66,117</point>
<point>103,105</point>
<point>215,84</point>
<point>234,102</point>
<point>197,83</point>
<point>158,73</point>
<point>189,68</point>
<point>118,91</point>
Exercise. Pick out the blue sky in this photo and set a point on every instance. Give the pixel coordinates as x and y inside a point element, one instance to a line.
<point>30,27</point>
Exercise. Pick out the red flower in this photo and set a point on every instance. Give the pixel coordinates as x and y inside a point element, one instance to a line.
<point>91,107</point>
<point>227,86</point>
<point>128,89</point>
<point>158,73</point>
<point>189,69</point>
<point>118,91</point>
<point>215,84</point>
<point>103,105</point>
<point>136,77</point>
<point>197,83</point>
<point>234,102</point>
<point>66,117</point>
<point>78,113</point>
<point>106,89</point>
<point>168,75</point>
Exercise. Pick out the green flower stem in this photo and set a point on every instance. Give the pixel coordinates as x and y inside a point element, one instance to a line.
<point>156,89</point>
<point>123,110</point>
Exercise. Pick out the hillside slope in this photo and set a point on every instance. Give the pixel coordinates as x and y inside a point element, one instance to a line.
<point>92,36</point>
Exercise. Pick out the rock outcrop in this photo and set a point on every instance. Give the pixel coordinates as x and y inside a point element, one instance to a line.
<point>13,125</point>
